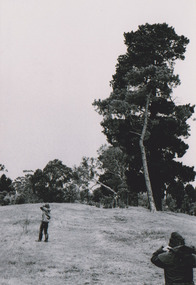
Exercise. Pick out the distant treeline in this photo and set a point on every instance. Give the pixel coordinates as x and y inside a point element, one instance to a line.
<point>102,182</point>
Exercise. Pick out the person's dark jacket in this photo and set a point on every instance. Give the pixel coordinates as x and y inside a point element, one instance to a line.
<point>178,264</point>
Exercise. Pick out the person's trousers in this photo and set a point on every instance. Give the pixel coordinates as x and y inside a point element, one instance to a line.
<point>43,228</point>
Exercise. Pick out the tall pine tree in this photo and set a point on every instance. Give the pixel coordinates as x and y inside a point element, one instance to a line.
<point>140,115</point>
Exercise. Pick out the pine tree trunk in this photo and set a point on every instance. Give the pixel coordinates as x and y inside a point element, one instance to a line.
<point>144,160</point>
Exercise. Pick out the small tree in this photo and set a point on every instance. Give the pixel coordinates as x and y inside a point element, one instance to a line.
<point>51,183</point>
<point>85,173</point>
<point>23,187</point>
<point>114,165</point>
<point>56,175</point>
<point>6,189</point>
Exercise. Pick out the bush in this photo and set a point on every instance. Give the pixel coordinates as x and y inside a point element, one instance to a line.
<point>98,205</point>
<point>143,200</point>
<point>193,209</point>
<point>4,200</point>
<point>91,203</point>
<point>20,199</point>
<point>121,204</point>
<point>169,204</point>
<point>107,202</point>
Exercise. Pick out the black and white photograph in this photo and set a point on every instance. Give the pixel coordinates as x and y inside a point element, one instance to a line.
<point>97,144</point>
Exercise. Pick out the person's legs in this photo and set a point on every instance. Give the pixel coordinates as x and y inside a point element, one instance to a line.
<point>46,231</point>
<point>41,231</point>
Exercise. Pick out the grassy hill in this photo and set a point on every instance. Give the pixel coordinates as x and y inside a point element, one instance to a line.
<point>87,245</point>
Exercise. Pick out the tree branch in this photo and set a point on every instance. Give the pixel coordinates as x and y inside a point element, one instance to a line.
<point>107,187</point>
<point>135,133</point>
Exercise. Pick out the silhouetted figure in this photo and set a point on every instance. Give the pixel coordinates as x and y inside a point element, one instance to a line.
<point>177,260</point>
<point>45,222</point>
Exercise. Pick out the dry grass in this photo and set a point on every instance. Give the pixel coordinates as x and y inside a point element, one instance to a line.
<point>87,245</point>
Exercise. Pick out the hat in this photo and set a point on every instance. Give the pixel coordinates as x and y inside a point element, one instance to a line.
<point>47,206</point>
<point>176,239</point>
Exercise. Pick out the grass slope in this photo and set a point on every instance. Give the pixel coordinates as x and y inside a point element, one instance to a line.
<point>87,245</point>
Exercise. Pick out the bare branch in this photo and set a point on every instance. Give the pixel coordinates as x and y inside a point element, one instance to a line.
<point>135,133</point>
<point>107,187</point>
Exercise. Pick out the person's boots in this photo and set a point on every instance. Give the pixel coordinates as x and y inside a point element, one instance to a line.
<point>46,238</point>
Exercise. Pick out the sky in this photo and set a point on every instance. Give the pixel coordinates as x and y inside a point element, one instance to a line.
<point>57,57</point>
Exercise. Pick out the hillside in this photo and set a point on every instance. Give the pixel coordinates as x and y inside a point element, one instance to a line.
<point>87,245</point>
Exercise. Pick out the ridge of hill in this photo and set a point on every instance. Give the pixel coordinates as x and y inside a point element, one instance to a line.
<point>87,245</point>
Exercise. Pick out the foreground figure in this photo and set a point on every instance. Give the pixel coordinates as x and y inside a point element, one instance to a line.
<point>177,260</point>
<point>44,223</point>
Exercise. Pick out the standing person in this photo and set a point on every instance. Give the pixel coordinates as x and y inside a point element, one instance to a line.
<point>177,260</point>
<point>44,223</point>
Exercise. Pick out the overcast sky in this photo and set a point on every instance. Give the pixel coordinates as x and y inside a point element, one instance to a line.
<point>57,56</point>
